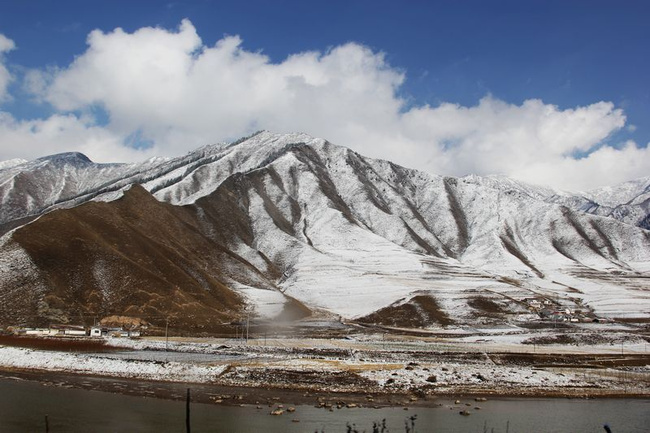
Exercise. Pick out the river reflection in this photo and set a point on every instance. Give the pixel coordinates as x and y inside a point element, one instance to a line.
<point>24,405</point>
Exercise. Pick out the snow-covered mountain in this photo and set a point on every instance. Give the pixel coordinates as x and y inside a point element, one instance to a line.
<point>292,222</point>
<point>628,202</point>
<point>29,189</point>
<point>65,180</point>
<point>11,163</point>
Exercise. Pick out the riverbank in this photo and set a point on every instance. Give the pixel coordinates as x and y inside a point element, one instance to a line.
<point>362,372</point>
<point>226,395</point>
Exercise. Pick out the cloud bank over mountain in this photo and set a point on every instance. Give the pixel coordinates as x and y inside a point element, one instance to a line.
<point>156,91</point>
<point>6,45</point>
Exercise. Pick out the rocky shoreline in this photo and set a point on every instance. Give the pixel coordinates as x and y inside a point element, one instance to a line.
<point>271,396</point>
<point>336,373</point>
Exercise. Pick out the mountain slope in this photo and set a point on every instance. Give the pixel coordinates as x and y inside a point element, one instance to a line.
<point>352,235</point>
<point>628,202</point>
<point>62,180</point>
<point>134,256</point>
<point>275,221</point>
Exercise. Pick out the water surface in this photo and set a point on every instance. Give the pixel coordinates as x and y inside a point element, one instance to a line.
<point>24,405</point>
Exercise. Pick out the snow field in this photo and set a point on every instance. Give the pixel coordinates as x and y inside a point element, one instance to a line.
<point>12,357</point>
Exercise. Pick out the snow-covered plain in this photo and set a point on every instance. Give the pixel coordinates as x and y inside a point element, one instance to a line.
<point>382,366</point>
<point>29,359</point>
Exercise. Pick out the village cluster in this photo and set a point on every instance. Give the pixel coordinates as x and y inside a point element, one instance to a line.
<point>546,309</point>
<point>555,312</point>
<point>79,331</point>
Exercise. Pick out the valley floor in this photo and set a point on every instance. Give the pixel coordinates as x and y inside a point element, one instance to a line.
<point>367,368</point>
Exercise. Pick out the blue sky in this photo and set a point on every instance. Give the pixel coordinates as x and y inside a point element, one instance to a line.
<point>476,61</point>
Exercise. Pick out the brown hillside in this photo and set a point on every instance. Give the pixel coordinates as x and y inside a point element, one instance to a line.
<point>419,312</point>
<point>133,257</point>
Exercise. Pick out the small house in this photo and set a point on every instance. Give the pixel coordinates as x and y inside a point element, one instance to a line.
<point>37,331</point>
<point>78,331</point>
<point>69,330</point>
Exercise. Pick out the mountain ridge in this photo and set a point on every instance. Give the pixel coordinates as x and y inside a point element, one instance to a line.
<point>297,221</point>
<point>160,177</point>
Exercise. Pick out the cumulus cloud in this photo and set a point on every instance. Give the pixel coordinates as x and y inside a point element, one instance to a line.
<point>63,133</point>
<point>497,137</point>
<point>172,90</point>
<point>605,166</point>
<point>6,45</point>
<point>180,93</point>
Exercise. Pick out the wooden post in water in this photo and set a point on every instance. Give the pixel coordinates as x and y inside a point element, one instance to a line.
<point>47,425</point>
<point>187,412</point>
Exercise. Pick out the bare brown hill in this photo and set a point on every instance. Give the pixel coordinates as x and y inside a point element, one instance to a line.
<point>134,257</point>
<point>419,312</point>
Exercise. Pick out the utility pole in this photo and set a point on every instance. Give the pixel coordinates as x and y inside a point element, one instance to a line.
<point>166,333</point>
<point>247,323</point>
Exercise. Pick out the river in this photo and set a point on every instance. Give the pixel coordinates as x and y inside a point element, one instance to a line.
<point>24,405</point>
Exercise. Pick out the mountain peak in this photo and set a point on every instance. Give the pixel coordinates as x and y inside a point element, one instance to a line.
<point>67,158</point>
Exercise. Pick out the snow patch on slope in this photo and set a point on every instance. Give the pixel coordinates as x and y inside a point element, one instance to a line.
<point>11,163</point>
<point>266,303</point>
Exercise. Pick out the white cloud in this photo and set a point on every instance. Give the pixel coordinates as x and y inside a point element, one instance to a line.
<point>496,137</point>
<point>605,166</point>
<point>172,88</point>
<point>63,133</point>
<point>180,94</point>
<point>6,45</point>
